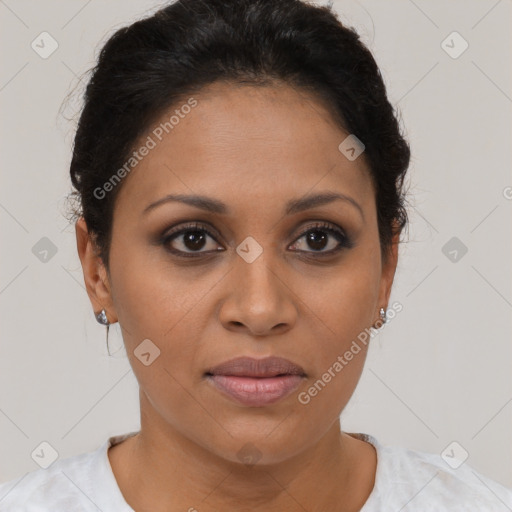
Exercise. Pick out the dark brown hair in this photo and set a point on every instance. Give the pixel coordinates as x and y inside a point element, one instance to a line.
<point>150,65</point>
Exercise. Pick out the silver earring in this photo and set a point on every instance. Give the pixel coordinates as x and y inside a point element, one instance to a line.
<point>383,315</point>
<point>101,317</point>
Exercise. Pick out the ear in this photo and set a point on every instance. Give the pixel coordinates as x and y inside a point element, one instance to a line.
<point>95,274</point>
<point>388,273</point>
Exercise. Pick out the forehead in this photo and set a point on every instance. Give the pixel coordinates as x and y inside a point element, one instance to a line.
<point>239,142</point>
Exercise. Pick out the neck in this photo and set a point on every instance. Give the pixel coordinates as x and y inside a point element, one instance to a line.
<point>162,469</point>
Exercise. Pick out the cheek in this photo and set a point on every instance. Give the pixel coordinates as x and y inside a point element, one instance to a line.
<point>339,312</point>
<point>342,304</point>
<point>155,304</point>
<point>150,296</point>
<point>151,306</point>
<point>156,301</point>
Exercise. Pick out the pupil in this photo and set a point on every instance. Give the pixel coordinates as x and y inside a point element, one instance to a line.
<point>316,239</point>
<point>194,240</point>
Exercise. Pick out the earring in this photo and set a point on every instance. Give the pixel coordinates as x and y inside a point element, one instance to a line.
<point>383,318</point>
<point>101,317</point>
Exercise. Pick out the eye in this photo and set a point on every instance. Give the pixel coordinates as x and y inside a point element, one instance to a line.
<point>320,236</point>
<point>189,239</point>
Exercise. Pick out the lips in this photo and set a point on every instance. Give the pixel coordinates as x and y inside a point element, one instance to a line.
<point>250,367</point>
<point>256,382</point>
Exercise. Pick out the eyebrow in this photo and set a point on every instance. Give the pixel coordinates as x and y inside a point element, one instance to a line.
<point>294,206</point>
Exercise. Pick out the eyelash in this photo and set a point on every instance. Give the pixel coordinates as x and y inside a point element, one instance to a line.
<point>344,241</point>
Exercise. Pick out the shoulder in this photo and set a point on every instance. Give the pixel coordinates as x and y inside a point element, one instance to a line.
<point>427,482</point>
<point>415,480</point>
<point>55,488</point>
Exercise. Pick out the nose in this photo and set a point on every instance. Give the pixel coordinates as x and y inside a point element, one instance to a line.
<point>260,302</point>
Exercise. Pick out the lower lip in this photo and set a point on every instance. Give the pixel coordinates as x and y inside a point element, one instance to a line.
<point>256,392</point>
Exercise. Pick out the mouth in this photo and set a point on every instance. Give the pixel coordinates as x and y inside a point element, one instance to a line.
<point>256,382</point>
<point>257,368</point>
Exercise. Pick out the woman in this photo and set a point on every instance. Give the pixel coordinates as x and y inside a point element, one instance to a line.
<point>240,172</point>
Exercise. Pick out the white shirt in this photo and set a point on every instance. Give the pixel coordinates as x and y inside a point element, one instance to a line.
<point>406,481</point>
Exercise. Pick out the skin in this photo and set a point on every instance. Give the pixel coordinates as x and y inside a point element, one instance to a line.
<point>253,149</point>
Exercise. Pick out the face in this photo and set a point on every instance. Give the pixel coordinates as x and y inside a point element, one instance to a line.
<point>306,280</point>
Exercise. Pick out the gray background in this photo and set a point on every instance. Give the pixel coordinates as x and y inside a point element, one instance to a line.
<point>439,372</point>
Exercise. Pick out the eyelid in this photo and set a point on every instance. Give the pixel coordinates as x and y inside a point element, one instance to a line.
<point>322,224</point>
<point>344,241</point>
<point>191,225</point>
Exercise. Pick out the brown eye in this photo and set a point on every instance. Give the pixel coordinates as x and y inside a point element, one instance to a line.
<point>194,240</point>
<point>190,239</point>
<point>320,237</point>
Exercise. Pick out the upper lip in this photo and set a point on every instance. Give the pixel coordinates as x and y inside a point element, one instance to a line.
<point>251,367</point>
